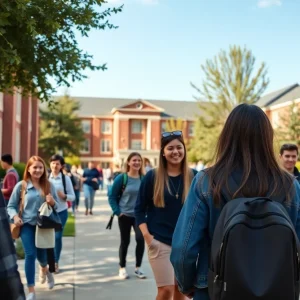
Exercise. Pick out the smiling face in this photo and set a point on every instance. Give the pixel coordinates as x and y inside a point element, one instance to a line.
<point>36,170</point>
<point>174,152</point>
<point>135,163</point>
<point>289,159</point>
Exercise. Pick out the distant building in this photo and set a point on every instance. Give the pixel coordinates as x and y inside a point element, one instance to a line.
<point>19,118</point>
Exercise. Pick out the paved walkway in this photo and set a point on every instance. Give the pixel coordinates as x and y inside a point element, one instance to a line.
<point>89,263</point>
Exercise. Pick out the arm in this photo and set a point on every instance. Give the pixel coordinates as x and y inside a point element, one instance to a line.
<point>84,177</point>
<point>113,196</point>
<point>189,236</point>
<point>14,201</point>
<point>69,189</point>
<point>54,194</point>
<point>11,181</point>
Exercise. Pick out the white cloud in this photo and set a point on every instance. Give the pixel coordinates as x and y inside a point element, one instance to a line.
<point>268,3</point>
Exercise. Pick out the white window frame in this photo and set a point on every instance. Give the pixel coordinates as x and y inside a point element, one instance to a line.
<point>105,146</point>
<point>135,141</point>
<point>163,126</point>
<point>134,128</point>
<point>1,101</point>
<point>86,123</point>
<point>191,129</point>
<point>106,127</point>
<point>88,146</point>
<point>18,106</point>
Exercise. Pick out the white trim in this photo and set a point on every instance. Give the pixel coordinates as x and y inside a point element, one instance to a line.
<point>148,132</point>
<point>156,108</point>
<point>127,117</point>
<point>1,101</point>
<point>281,105</point>
<point>116,133</point>
<point>98,158</point>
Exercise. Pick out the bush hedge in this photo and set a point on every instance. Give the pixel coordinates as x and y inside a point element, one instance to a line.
<point>20,167</point>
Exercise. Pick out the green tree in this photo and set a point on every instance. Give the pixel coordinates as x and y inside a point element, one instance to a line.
<point>38,43</point>
<point>60,128</point>
<point>288,130</point>
<point>230,78</point>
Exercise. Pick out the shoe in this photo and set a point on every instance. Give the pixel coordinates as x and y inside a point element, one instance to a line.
<point>42,276</point>
<point>50,280</point>
<point>139,273</point>
<point>56,268</point>
<point>86,212</point>
<point>31,296</point>
<point>91,212</point>
<point>123,274</point>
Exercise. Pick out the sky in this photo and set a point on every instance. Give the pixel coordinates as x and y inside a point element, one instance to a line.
<point>160,45</point>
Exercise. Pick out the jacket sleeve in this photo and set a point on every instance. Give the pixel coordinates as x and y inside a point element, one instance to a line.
<point>114,193</point>
<point>297,200</point>
<point>54,194</point>
<point>11,181</point>
<point>69,189</point>
<point>14,201</point>
<point>189,236</point>
<point>145,197</point>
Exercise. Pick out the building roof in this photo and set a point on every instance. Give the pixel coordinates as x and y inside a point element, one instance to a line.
<point>286,94</point>
<point>103,106</point>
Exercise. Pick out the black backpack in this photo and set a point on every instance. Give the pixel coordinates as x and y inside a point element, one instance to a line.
<point>255,251</point>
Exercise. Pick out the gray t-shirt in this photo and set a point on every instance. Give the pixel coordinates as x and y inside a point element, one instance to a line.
<point>128,199</point>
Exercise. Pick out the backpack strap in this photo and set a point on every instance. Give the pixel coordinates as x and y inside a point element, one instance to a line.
<point>63,177</point>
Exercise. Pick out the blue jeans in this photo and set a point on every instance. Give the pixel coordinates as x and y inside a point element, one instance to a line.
<point>27,235</point>
<point>201,294</point>
<point>89,196</point>
<point>59,234</point>
<point>76,202</point>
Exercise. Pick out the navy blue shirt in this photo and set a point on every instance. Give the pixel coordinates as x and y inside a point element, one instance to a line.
<point>90,174</point>
<point>161,221</point>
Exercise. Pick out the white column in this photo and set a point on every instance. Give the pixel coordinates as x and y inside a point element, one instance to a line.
<point>148,136</point>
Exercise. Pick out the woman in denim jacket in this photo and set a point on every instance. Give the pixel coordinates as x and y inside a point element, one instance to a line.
<point>245,152</point>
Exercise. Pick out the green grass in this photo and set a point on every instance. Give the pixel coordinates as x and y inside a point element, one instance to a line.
<point>70,226</point>
<point>19,249</point>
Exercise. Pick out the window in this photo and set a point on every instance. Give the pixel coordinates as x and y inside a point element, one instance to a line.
<point>191,129</point>
<point>163,126</point>
<point>105,146</point>
<point>106,126</point>
<point>136,126</point>
<point>275,119</point>
<point>86,146</point>
<point>136,145</point>
<point>105,165</point>
<point>86,126</point>
<point>19,107</point>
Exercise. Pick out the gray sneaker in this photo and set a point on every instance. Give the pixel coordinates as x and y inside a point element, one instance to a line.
<point>50,280</point>
<point>139,274</point>
<point>31,296</point>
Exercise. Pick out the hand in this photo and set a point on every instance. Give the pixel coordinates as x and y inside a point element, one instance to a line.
<point>50,200</point>
<point>95,179</point>
<point>148,238</point>
<point>61,195</point>
<point>18,221</point>
<point>120,215</point>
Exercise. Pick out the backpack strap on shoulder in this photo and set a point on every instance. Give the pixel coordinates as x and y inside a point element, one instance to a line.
<point>63,178</point>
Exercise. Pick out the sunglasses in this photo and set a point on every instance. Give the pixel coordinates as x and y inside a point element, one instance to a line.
<point>167,134</point>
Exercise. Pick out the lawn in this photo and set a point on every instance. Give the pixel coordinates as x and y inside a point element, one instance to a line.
<point>70,226</point>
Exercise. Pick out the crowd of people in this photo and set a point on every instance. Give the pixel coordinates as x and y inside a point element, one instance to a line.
<point>174,210</point>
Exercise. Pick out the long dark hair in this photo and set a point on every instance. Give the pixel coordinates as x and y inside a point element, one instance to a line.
<point>246,144</point>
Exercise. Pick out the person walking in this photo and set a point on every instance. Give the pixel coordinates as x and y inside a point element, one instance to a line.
<point>65,192</point>
<point>90,179</point>
<point>11,178</point>
<point>122,199</point>
<point>31,193</point>
<point>77,188</point>
<point>244,156</point>
<point>160,200</point>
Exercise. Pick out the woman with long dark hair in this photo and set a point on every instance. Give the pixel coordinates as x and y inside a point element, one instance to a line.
<point>122,199</point>
<point>245,155</point>
<point>161,197</point>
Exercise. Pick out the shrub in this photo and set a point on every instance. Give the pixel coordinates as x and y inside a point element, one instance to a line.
<point>298,165</point>
<point>20,167</point>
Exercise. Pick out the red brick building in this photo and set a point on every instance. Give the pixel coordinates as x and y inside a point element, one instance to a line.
<point>19,118</point>
<point>116,127</point>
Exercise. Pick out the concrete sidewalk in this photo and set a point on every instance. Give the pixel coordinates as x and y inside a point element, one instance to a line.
<point>89,262</point>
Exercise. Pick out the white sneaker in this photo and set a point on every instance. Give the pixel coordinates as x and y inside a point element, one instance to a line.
<point>139,273</point>
<point>123,274</point>
<point>42,276</point>
<point>50,280</point>
<point>31,296</point>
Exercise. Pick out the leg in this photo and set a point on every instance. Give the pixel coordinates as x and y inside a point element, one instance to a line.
<point>140,245</point>
<point>92,198</point>
<point>178,295</point>
<point>77,197</point>
<point>165,292</point>
<point>58,235</point>
<point>201,294</point>
<point>28,239</point>
<point>86,193</point>
<point>125,228</point>
<point>73,206</point>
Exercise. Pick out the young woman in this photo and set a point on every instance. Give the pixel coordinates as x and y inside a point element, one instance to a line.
<point>161,197</point>
<point>245,154</point>
<point>65,192</point>
<point>77,188</point>
<point>122,199</point>
<point>37,190</point>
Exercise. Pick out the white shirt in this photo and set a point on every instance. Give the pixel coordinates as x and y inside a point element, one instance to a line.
<point>58,184</point>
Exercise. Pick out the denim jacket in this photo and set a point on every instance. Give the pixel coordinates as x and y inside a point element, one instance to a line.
<point>194,232</point>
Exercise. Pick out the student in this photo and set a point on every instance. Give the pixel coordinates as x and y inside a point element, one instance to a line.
<point>77,188</point>
<point>288,158</point>
<point>160,200</point>
<point>122,199</point>
<point>38,189</point>
<point>245,155</point>
<point>64,189</point>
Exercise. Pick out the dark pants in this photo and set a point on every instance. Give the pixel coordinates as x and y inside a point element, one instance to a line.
<point>75,203</point>
<point>201,294</point>
<point>125,224</point>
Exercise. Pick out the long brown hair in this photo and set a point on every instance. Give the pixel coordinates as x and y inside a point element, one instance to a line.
<point>44,182</point>
<point>130,156</point>
<point>246,144</point>
<point>161,175</point>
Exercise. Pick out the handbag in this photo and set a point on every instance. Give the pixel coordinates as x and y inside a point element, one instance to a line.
<point>48,218</point>
<point>14,229</point>
<point>95,185</point>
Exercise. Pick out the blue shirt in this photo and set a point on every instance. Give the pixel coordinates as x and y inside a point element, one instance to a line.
<point>90,174</point>
<point>32,202</point>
